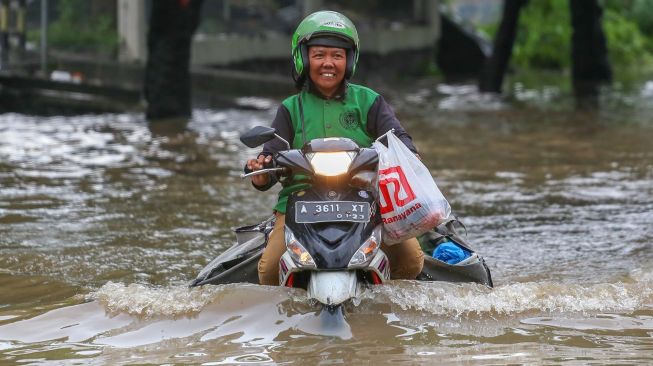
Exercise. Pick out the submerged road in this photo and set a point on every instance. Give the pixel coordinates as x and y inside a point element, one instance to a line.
<point>103,223</point>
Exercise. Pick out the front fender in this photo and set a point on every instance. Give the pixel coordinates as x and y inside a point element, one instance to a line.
<point>333,287</point>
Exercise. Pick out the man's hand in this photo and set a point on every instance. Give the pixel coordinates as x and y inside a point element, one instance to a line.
<point>258,164</point>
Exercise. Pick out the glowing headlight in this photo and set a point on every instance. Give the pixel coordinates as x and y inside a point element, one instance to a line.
<point>367,251</point>
<point>298,253</point>
<point>331,163</point>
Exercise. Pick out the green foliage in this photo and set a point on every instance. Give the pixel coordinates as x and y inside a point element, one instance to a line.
<point>629,29</point>
<point>626,44</point>
<point>543,38</point>
<point>640,11</point>
<point>74,30</point>
<point>544,34</point>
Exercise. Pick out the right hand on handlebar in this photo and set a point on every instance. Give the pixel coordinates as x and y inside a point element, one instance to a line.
<point>258,164</point>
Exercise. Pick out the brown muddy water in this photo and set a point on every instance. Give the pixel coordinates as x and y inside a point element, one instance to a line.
<point>103,223</point>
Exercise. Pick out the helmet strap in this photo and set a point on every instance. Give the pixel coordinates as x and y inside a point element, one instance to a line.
<point>300,80</point>
<point>349,69</point>
<point>303,50</point>
<point>301,116</point>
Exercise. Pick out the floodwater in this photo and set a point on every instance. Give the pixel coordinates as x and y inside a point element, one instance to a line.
<point>103,223</point>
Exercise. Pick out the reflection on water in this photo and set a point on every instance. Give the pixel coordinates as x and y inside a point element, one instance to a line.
<point>103,221</point>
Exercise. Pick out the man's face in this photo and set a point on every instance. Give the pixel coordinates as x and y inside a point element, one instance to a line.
<point>327,68</point>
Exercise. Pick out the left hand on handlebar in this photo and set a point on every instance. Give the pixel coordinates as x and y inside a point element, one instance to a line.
<point>258,164</point>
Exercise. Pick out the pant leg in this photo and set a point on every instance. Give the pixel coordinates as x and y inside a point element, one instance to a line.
<point>268,265</point>
<point>406,259</point>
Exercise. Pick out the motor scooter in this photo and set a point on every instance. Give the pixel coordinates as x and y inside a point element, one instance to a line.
<point>333,229</point>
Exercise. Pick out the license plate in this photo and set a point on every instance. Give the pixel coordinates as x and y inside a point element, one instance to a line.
<point>309,212</point>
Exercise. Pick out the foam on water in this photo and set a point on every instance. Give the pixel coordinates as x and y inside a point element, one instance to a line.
<point>243,313</point>
<point>633,293</point>
<point>145,301</point>
<point>453,299</point>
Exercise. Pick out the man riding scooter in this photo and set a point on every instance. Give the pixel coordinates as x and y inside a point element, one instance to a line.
<point>325,50</point>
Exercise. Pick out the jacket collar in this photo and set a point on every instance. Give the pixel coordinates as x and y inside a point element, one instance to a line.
<point>340,95</point>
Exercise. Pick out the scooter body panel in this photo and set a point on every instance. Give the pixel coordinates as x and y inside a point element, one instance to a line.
<point>332,244</point>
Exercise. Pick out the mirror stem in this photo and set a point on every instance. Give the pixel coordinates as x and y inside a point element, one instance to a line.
<point>284,140</point>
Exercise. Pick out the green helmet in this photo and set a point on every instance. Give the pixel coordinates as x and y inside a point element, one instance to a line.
<point>325,28</point>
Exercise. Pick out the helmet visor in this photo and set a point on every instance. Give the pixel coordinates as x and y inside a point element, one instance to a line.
<point>330,41</point>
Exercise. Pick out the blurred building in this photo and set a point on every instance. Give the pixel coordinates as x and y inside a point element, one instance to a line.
<point>256,34</point>
<point>239,34</point>
<point>98,48</point>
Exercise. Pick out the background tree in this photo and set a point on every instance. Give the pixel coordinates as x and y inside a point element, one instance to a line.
<point>589,52</point>
<point>167,87</point>
<point>496,65</point>
<point>547,29</point>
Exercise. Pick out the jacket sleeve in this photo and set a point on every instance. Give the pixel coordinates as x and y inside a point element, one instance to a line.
<point>381,119</point>
<point>283,125</point>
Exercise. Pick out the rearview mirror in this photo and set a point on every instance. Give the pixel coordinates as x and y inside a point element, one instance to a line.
<point>257,136</point>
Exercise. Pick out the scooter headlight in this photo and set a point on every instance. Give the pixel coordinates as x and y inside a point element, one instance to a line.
<point>298,253</point>
<point>330,164</point>
<point>367,251</point>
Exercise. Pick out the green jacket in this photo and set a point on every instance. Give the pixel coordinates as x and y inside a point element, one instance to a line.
<point>360,114</point>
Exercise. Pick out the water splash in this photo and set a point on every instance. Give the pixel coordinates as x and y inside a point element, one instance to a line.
<point>134,316</point>
<point>471,299</point>
<point>635,292</point>
<point>243,313</point>
<point>146,301</point>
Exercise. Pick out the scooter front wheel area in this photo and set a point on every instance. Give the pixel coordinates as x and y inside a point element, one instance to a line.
<point>332,288</point>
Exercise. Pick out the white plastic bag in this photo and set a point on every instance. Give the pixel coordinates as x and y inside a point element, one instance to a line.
<point>410,201</point>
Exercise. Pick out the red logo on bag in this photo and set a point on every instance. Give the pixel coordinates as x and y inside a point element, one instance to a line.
<point>394,176</point>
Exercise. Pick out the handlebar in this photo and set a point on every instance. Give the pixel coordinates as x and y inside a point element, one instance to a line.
<point>262,171</point>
